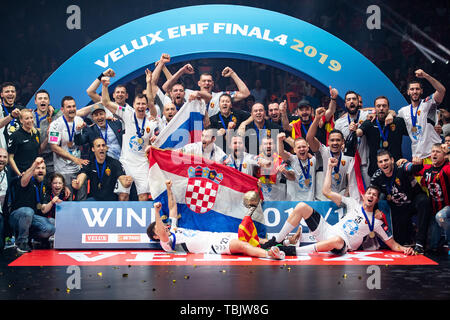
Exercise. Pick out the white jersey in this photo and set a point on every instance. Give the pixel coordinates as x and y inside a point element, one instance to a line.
<point>339,180</point>
<point>302,188</point>
<point>246,163</point>
<point>214,154</point>
<point>353,227</point>
<point>133,147</point>
<point>196,241</point>
<point>342,124</point>
<point>425,136</point>
<point>59,135</point>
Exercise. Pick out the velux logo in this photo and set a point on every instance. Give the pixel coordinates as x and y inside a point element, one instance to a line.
<point>99,217</point>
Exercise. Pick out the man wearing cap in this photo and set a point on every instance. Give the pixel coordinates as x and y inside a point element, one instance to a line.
<point>110,131</point>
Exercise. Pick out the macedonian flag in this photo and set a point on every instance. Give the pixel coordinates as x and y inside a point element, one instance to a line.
<point>247,232</point>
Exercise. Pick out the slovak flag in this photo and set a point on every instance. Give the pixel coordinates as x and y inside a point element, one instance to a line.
<point>185,127</point>
<point>209,195</point>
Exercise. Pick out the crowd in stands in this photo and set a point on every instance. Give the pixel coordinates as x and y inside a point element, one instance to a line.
<point>260,120</point>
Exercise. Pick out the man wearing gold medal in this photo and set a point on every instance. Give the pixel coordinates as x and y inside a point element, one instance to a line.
<point>348,233</point>
<point>336,142</point>
<point>43,116</point>
<point>26,219</point>
<point>422,133</point>
<point>66,155</point>
<point>405,198</point>
<point>105,174</point>
<point>383,134</point>
<point>300,184</point>
<point>138,131</point>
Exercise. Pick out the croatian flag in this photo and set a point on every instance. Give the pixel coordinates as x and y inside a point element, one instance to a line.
<point>209,195</point>
<point>185,127</point>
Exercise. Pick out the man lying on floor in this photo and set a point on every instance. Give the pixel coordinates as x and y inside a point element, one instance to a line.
<point>345,235</point>
<point>174,239</point>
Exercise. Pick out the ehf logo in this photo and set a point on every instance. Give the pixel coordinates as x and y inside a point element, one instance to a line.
<point>201,190</point>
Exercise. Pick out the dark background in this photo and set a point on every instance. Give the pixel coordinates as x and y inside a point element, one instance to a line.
<point>36,40</point>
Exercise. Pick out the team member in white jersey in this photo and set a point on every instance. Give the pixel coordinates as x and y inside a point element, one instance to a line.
<point>66,154</point>
<point>351,121</point>
<point>239,159</point>
<point>206,84</point>
<point>138,131</point>
<point>349,232</point>
<point>206,148</point>
<point>174,239</point>
<point>422,133</point>
<point>336,143</point>
<point>300,175</point>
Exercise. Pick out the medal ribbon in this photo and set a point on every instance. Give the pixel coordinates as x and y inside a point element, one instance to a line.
<point>414,116</point>
<point>38,120</point>
<point>305,174</point>
<point>139,132</point>
<point>383,136</point>
<point>68,129</point>
<point>223,122</point>
<point>38,190</point>
<point>100,175</point>
<point>7,114</point>
<point>106,132</point>
<point>371,226</point>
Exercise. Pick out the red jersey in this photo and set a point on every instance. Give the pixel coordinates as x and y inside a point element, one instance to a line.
<point>437,181</point>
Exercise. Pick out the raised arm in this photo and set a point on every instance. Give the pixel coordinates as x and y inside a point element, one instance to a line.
<point>332,105</point>
<point>243,91</point>
<point>186,69</point>
<point>150,94</point>
<point>160,228</point>
<point>92,90</point>
<point>283,154</point>
<point>160,66</point>
<point>106,100</point>
<point>26,176</point>
<point>284,118</point>
<point>326,189</point>
<point>313,142</point>
<point>439,94</point>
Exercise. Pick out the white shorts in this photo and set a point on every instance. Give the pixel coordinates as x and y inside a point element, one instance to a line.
<point>140,175</point>
<point>119,188</point>
<point>322,230</point>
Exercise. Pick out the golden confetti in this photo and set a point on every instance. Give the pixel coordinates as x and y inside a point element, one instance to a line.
<point>186,277</point>
<point>345,276</point>
<point>174,280</point>
<point>99,274</point>
<point>124,275</point>
<point>68,290</point>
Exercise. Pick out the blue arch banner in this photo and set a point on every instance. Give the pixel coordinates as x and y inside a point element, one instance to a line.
<point>222,31</point>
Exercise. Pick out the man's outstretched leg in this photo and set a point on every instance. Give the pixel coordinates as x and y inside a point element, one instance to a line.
<point>238,246</point>
<point>301,211</point>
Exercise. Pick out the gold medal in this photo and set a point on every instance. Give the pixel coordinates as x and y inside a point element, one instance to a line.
<point>12,129</point>
<point>39,206</point>
<point>70,144</point>
<point>49,120</point>
<point>385,144</point>
<point>414,129</point>
<point>372,234</point>
<point>389,197</point>
<point>140,140</point>
<point>337,176</point>
<point>99,185</point>
<point>307,182</point>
